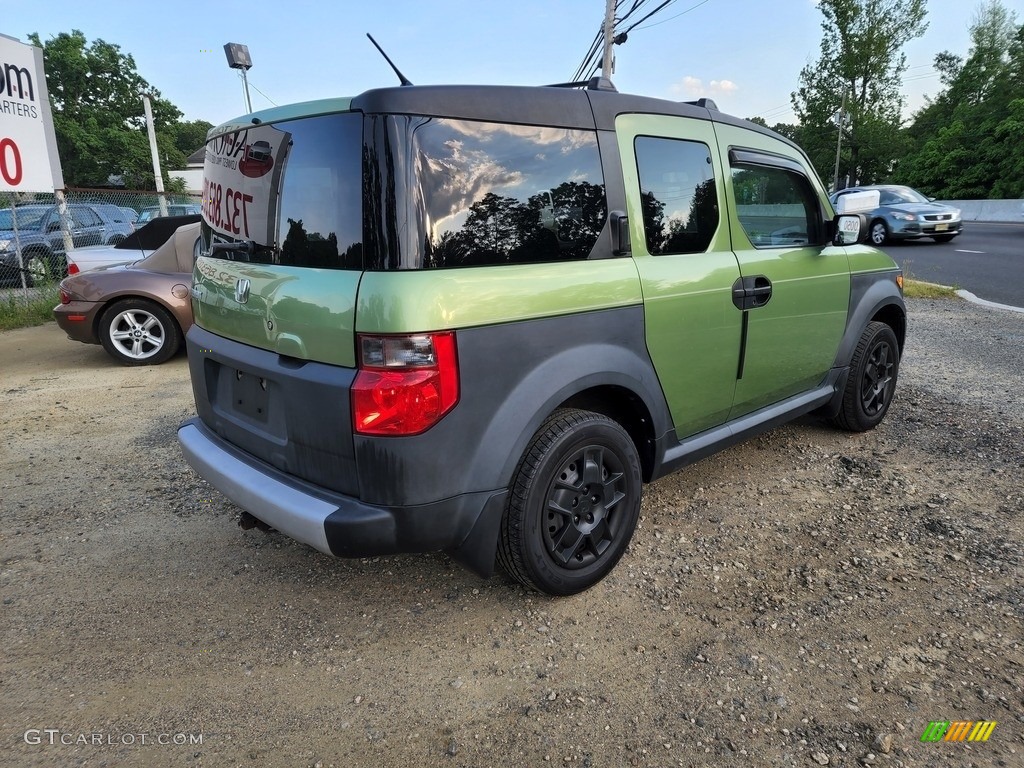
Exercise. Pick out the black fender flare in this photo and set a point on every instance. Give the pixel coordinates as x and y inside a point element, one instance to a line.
<point>538,394</point>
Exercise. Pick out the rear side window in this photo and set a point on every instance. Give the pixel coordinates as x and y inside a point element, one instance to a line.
<point>776,207</point>
<point>678,196</point>
<point>459,193</point>
<point>292,190</point>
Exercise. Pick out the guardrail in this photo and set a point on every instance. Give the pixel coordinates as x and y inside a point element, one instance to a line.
<point>989,210</point>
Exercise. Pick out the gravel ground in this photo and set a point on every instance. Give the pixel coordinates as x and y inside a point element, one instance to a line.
<point>807,598</point>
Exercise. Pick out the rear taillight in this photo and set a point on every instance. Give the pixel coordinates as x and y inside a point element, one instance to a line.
<point>73,268</point>
<point>65,297</point>
<point>405,384</point>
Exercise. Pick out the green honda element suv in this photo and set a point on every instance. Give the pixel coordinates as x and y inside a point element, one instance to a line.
<point>478,319</point>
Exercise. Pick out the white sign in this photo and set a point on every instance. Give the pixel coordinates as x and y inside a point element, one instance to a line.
<point>241,177</point>
<point>28,146</point>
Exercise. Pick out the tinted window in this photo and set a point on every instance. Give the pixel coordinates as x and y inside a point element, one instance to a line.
<point>300,183</point>
<point>775,207</point>
<point>451,193</point>
<point>677,194</point>
<point>85,217</point>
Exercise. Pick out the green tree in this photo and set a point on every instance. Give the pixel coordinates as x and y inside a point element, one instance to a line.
<point>859,72</point>
<point>965,143</point>
<point>98,115</point>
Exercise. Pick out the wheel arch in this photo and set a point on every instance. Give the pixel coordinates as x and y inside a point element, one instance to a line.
<point>128,296</point>
<point>617,382</point>
<point>873,296</point>
<point>611,380</point>
<point>626,408</point>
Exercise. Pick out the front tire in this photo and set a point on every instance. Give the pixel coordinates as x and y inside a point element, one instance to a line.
<point>139,332</point>
<point>872,381</point>
<point>879,232</point>
<point>574,504</point>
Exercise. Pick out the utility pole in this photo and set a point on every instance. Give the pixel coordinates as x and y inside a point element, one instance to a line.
<point>839,139</point>
<point>609,31</point>
<point>153,150</point>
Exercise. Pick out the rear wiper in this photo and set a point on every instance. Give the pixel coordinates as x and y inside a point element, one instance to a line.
<point>245,246</point>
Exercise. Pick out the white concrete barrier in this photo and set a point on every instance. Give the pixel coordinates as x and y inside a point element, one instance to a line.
<point>989,210</point>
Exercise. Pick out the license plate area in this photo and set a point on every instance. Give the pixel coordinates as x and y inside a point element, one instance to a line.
<point>941,227</point>
<point>249,395</point>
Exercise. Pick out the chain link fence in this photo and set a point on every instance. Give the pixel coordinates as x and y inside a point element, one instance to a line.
<point>39,231</point>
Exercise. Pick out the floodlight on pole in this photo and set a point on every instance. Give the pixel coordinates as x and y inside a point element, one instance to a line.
<point>238,58</point>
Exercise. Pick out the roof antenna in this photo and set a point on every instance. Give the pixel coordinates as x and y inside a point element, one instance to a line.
<point>401,78</point>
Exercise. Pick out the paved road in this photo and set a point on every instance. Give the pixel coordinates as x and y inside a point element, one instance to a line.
<point>987,260</point>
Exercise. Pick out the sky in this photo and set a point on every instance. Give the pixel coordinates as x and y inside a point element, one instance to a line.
<point>745,54</point>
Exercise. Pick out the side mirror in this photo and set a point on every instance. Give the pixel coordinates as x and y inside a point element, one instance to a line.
<point>850,229</point>
<point>619,224</point>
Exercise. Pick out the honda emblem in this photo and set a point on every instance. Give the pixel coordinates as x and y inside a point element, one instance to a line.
<point>242,290</point>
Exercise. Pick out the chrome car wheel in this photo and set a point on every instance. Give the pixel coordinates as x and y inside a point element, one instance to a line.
<point>879,233</point>
<point>38,272</point>
<point>139,332</point>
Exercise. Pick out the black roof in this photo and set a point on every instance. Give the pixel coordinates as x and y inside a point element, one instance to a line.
<point>544,105</point>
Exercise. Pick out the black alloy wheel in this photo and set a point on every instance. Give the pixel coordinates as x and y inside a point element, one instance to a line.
<point>874,369</point>
<point>574,504</point>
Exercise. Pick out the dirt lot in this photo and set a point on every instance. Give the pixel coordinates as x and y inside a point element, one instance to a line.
<point>808,598</point>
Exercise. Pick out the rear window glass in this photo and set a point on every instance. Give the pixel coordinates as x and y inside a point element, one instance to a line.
<point>292,190</point>
<point>459,193</point>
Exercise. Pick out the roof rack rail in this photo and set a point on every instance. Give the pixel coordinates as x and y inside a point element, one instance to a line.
<point>705,103</point>
<point>593,84</point>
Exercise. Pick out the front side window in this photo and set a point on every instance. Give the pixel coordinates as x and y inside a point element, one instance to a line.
<point>458,193</point>
<point>678,197</point>
<point>776,207</point>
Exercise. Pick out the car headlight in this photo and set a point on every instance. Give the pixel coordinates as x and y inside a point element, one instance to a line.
<point>4,245</point>
<point>956,213</point>
<point>904,216</point>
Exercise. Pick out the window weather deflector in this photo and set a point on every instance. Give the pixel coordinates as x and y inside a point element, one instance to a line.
<point>758,157</point>
<point>245,246</point>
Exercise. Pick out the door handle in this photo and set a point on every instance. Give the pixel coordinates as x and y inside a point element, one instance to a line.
<point>751,292</point>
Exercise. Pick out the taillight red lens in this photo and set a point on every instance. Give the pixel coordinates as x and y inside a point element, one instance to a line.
<point>405,384</point>
<point>65,297</point>
<point>73,268</point>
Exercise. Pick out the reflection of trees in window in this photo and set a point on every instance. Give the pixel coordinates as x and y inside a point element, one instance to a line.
<point>691,234</point>
<point>653,212</point>
<point>694,234</point>
<point>312,249</point>
<point>556,225</point>
<point>764,187</point>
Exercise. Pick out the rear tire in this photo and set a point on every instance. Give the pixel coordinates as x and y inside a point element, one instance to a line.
<point>573,506</point>
<point>872,381</point>
<point>39,269</point>
<point>139,332</point>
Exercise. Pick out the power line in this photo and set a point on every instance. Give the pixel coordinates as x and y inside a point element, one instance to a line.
<point>645,18</point>
<point>261,93</point>
<point>591,63</point>
<point>681,13</point>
